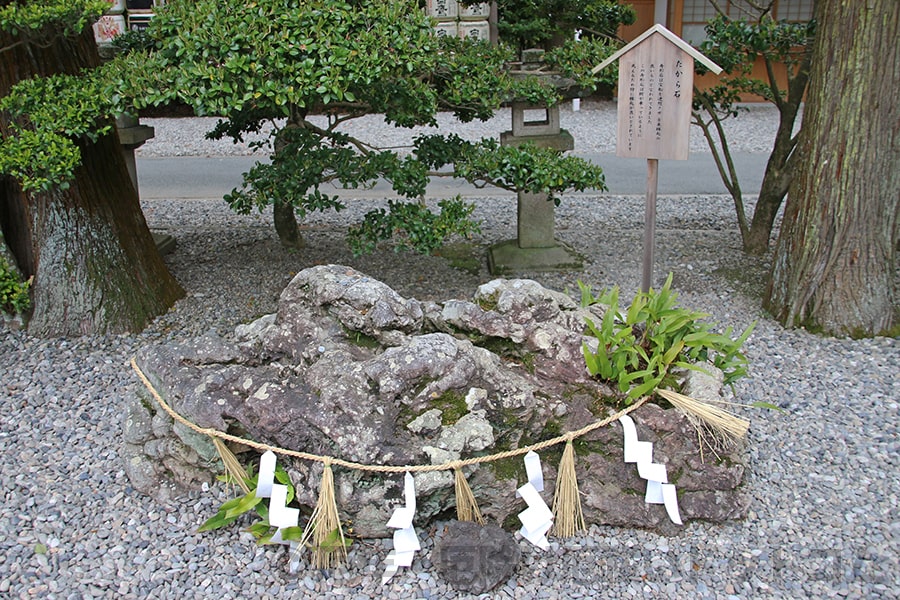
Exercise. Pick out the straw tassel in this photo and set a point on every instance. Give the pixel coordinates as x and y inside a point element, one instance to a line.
<point>324,528</point>
<point>466,506</point>
<point>720,420</point>
<point>567,516</point>
<point>232,467</point>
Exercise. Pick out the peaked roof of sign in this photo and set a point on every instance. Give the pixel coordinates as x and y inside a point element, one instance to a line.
<point>696,54</point>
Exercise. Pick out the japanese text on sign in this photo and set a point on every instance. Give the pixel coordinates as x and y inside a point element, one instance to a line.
<point>653,80</point>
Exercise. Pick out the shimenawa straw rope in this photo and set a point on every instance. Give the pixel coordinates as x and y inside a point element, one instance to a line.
<point>215,433</point>
<point>324,526</point>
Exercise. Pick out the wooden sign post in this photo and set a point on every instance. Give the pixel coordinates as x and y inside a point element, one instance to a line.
<point>656,82</point>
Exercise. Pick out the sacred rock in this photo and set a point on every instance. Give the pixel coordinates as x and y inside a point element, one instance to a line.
<point>348,368</point>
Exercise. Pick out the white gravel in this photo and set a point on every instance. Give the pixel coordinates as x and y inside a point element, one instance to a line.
<point>822,475</point>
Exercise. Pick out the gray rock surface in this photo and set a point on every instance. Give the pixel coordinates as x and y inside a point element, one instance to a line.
<point>349,368</point>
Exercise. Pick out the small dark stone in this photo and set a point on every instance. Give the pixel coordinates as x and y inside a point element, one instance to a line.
<point>476,558</point>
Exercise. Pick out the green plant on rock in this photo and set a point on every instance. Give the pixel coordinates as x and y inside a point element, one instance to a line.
<point>638,349</point>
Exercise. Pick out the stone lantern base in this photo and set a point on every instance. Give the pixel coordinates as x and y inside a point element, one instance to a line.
<point>508,257</point>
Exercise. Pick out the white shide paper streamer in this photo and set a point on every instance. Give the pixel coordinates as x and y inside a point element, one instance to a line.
<point>280,515</point>
<point>659,490</point>
<point>406,543</point>
<point>537,519</point>
<point>266,475</point>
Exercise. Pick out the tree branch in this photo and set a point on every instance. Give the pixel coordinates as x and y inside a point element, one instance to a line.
<point>729,177</point>
<point>773,84</point>
<point>364,148</point>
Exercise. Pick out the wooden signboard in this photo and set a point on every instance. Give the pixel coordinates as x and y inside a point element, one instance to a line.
<point>656,83</point>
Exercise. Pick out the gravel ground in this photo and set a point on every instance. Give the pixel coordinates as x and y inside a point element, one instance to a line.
<point>822,474</point>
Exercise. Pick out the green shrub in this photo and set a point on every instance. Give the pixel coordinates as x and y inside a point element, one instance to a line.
<point>638,349</point>
<point>14,298</point>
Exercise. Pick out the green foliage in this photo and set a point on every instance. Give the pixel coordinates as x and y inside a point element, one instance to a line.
<point>524,168</point>
<point>133,40</point>
<point>471,80</point>
<point>76,110</point>
<point>271,62</point>
<point>577,59</point>
<point>233,509</point>
<point>39,162</point>
<point>527,168</point>
<point>224,58</point>
<point>538,23</point>
<point>306,160</point>
<point>39,146</point>
<point>638,349</point>
<point>412,226</point>
<point>267,58</point>
<point>736,44</point>
<point>14,298</point>
<point>41,20</point>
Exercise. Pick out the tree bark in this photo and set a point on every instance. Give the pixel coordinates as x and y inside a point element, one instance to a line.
<point>95,265</point>
<point>834,264</point>
<point>283,213</point>
<point>780,167</point>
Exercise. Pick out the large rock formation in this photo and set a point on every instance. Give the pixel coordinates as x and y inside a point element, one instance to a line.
<point>349,368</point>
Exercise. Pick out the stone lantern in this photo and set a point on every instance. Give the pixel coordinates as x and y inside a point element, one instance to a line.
<point>535,247</point>
<point>132,136</point>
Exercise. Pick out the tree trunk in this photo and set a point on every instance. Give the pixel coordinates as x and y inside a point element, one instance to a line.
<point>95,265</point>
<point>286,226</point>
<point>834,264</point>
<point>782,163</point>
<point>283,213</point>
<point>780,167</point>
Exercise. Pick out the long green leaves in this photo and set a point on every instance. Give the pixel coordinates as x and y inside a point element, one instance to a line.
<point>637,350</point>
<point>233,509</point>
